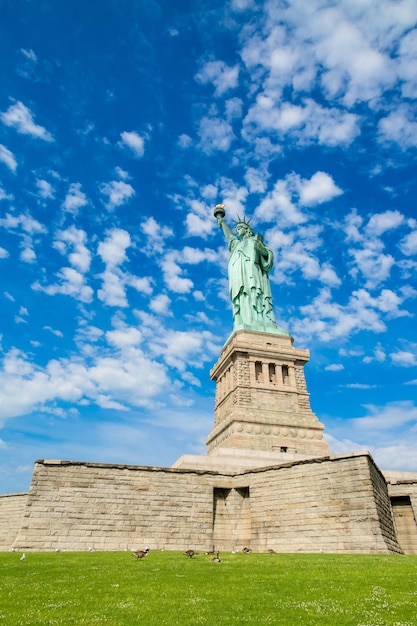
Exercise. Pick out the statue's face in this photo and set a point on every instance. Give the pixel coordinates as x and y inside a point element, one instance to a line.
<point>243,230</point>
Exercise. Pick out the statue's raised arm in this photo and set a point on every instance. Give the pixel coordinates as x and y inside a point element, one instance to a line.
<point>250,261</point>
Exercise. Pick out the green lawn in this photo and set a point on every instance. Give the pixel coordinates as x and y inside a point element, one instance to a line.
<point>113,588</point>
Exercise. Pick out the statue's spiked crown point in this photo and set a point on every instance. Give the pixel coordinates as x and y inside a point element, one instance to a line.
<point>243,220</point>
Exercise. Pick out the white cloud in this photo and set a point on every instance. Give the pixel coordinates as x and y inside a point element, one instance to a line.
<point>118,193</point>
<point>360,386</point>
<point>215,134</point>
<point>222,76</point>
<point>172,273</point>
<point>345,53</point>
<point>280,205</point>
<point>283,203</point>
<point>352,62</point>
<point>7,157</point>
<point>334,367</point>
<point>160,304</point>
<point>134,142</point>
<point>407,60</point>
<point>320,188</point>
<point>183,349</point>
<point>184,141</point>
<point>4,195</point>
<point>379,355</point>
<point>75,238</point>
<point>373,264</point>
<point>198,226</point>
<point>142,284</point>
<point>408,245</point>
<point>75,199</point>
<point>380,223</point>
<point>45,188</point>
<point>29,54</point>
<point>124,337</point>
<point>3,253</point>
<point>27,254</point>
<point>330,320</point>
<point>399,127</point>
<point>156,234</point>
<point>404,358</point>
<point>305,123</point>
<point>113,249</point>
<point>193,256</point>
<point>113,253</point>
<point>242,5</point>
<point>256,180</point>
<point>109,382</point>
<point>30,225</point>
<point>390,416</point>
<point>20,117</point>
<point>369,257</point>
<point>70,283</point>
<point>55,332</point>
<point>29,228</point>
<point>233,108</point>
<point>122,173</point>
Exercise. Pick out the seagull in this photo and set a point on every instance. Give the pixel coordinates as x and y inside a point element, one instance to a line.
<point>140,554</point>
<point>22,558</point>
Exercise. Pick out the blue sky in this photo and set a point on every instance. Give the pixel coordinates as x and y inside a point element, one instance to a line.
<point>122,124</point>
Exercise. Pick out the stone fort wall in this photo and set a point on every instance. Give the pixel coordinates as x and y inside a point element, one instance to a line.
<point>403,492</point>
<point>336,504</point>
<point>12,508</point>
<point>81,506</point>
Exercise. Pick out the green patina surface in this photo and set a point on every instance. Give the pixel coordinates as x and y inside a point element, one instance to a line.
<point>250,262</point>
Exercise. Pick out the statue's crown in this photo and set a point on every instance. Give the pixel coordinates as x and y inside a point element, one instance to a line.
<point>243,220</point>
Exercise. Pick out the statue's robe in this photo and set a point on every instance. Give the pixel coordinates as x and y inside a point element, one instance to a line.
<point>250,291</point>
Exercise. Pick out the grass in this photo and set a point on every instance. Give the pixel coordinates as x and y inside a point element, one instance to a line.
<point>113,588</point>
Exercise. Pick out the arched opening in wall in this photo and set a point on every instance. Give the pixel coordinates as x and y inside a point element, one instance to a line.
<point>243,519</point>
<point>222,519</point>
<point>258,371</point>
<point>405,523</point>
<point>232,525</point>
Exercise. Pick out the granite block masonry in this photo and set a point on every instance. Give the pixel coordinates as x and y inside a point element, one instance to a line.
<point>333,504</point>
<point>267,482</point>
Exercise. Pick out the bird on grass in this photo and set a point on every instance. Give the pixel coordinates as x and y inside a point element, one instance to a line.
<point>246,550</point>
<point>190,553</point>
<point>140,554</point>
<point>216,559</point>
<point>271,551</point>
<point>22,558</point>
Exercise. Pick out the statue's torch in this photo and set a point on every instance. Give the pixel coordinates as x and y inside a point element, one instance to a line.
<point>219,213</point>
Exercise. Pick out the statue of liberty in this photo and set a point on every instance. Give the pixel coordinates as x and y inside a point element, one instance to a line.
<point>250,261</point>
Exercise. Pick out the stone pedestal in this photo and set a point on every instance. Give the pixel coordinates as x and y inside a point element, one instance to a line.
<point>262,403</point>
